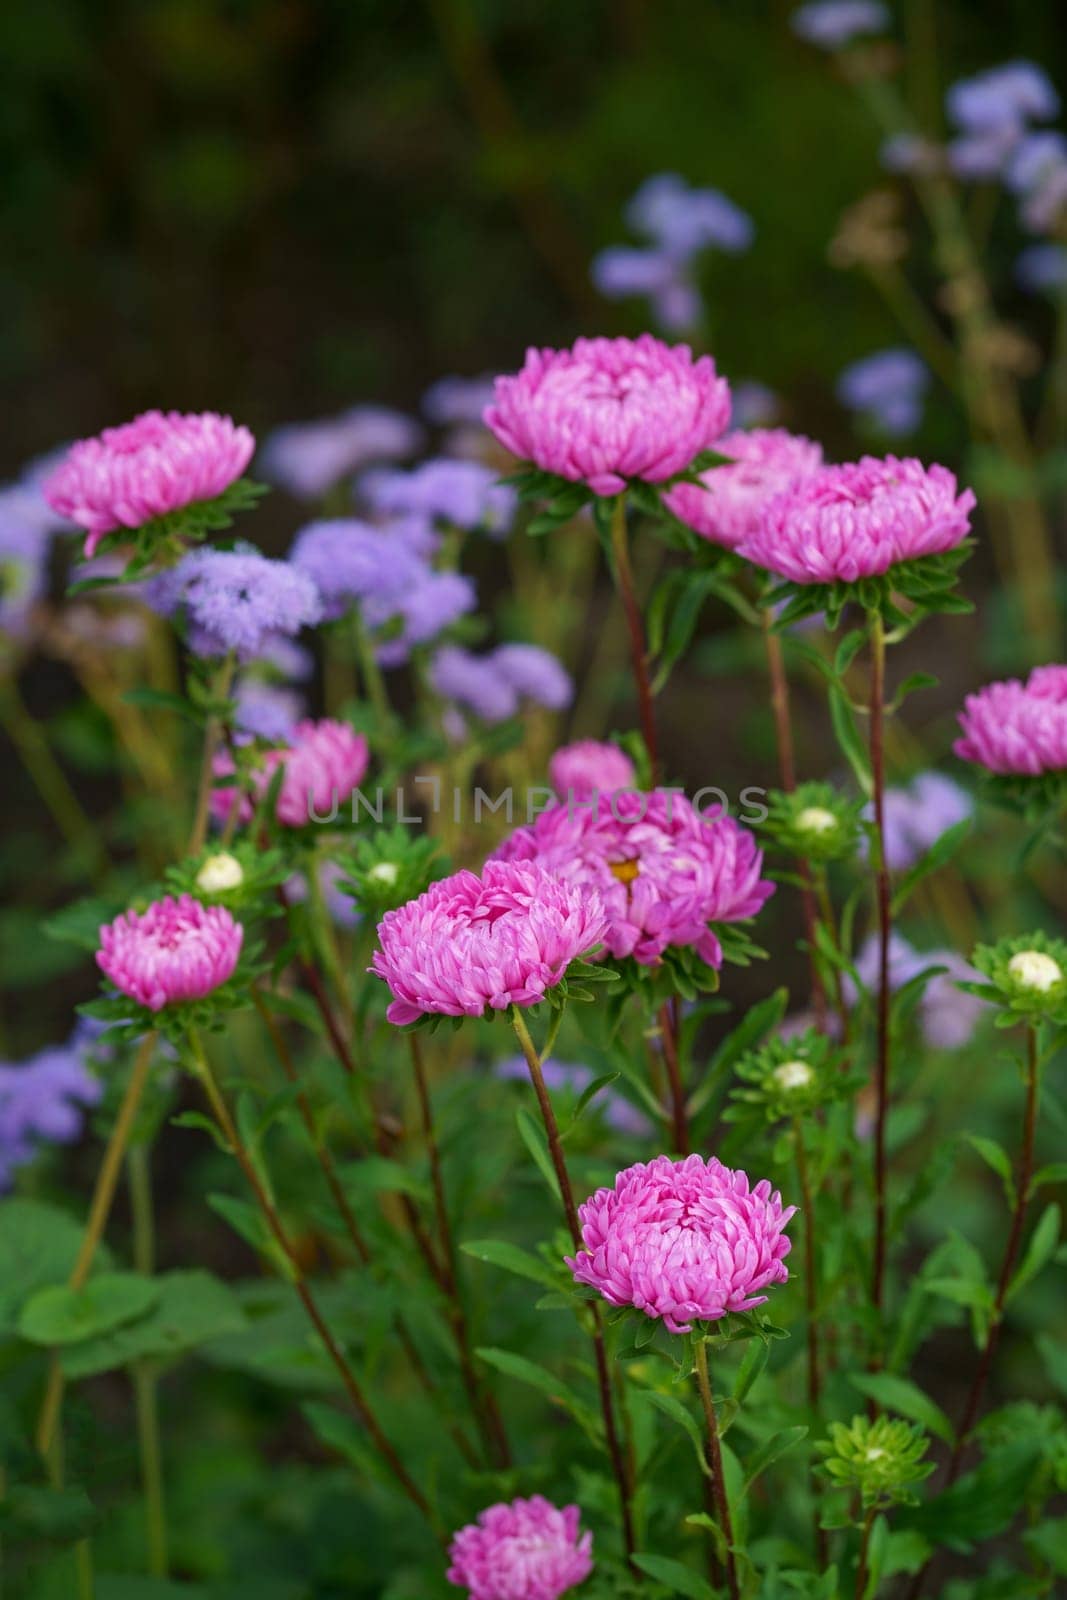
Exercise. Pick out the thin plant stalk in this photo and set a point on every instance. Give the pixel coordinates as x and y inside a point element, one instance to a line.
<point>883,902</point>
<point>49,778</point>
<point>718,1477</point>
<point>668,1033</point>
<point>570,1211</point>
<point>295,1272</point>
<point>483,1405</point>
<point>811,1299</point>
<point>355,1233</point>
<point>213,733</point>
<point>139,1174</point>
<point>862,1565</point>
<point>624,578</point>
<point>99,1210</point>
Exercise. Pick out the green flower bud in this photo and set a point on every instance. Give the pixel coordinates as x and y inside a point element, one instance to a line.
<point>814,822</point>
<point>881,1459</point>
<point>1027,977</point>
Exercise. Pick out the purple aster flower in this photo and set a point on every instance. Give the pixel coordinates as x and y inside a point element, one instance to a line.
<point>464,494</point>
<point>431,604</point>
<point>1009,95</point>
<point>236,600</point>
<point>42,1101</point>
<point>267,710</point>
<point>453,400</point>
<point>534,674</point>
<point>308,458</point>
<point>886,388</point>
<point>830,24</point>
<point>682,221</point>
<point>473,682</point>
<point>918,815</point>
<point>982,155</point>
<point>753,405</point>
<point>1041,267</point>
<point>566,1077</point>
<point>351,563</point>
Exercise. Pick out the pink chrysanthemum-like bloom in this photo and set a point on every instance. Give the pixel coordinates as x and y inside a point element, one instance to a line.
<point>662,871</point>
<point>1018,728</point>
<point>324,761</point>
<point>589,767</point>
<point>858,520</point>
<point>609,410</point>
<point>499,940</point>
<point>764,463</point>
<point>176,950</point>
<point>157,463</point>
<point>683,1240</point>
<point>525,1550</point>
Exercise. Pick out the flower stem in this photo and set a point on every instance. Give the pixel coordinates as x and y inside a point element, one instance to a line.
<point>865,1545</point>
<point>718,1479</point>
<point>49,778</point>
<point>99,1211</point>
<point>212,736</point>
<point>144,1376</point>
<point>483,1404</point>
<point>360,1403</point>
<point>668,1032</point>
<point>883,903</point>
<point>811,1299</point>
<point>611,1434</point>
<point>624,578</point>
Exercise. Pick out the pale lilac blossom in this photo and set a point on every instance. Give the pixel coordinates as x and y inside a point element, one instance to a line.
<point>461,494</point>
<point>831,24</point>
<point>43,1101</point>
<point>493,686</point>
<point>309,458</point>
<point>917,814</point>
<point>886,388</point>
<point>236,600</point>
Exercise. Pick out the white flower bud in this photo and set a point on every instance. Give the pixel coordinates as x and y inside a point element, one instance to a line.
<point>219,873</point>
<point>1032,969</point>
<point>793,1075</point>
<point>816,819</point>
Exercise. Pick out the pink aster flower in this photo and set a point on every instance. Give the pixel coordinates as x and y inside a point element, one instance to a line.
<point>589,767</point>
<point>858,520</point>
<point>528,1550</point>
<point>176,950</point>
<point>662,871</point>
<point>766,461</point>
<point>157,463</point>
<point>1018,728</point>
<point>683,1240</point>
<point>609,410</point>
<point>499,940</point>
<point>324,761</point>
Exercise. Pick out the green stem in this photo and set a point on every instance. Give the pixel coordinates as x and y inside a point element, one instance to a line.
<point>811,1301</point>
<point>99,1211</point>
<point>144,1374</point>
<point>624,579</point>
<point>883,902</point>
<point>718,1477</point>
<point>373,681</point>
<point>865,1544</point>
<point>212,736</point>
<point>49,778</point>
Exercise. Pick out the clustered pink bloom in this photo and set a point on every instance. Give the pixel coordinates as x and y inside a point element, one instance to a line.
<point>176,950</point>
<point>157,463</point>
<point>1018,728</point>
<point>764,462</point>
<point>528,1550</point>
<point>858,520</point>
<point>662,871</point>
<point>683,1240</point>
<point>609,410</point>
<point>589,767</point>
<point>324,761</point>
<point>499,940</point>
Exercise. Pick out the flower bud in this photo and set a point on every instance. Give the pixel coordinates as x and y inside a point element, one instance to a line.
<point>219,873</point>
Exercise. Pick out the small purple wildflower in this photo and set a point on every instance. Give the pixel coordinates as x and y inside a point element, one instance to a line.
<point>308,458</point>
<point>453,400</point>
<point>830,24</point>
<point>42,1101</point>
<point>887,389</point>
<point>267,710</point>
<point>682,220</point>
<point>493,686</point>
<point>236,600</point>
<point>1041,267</point>
<point>462,494</point>
<point>917,815</point>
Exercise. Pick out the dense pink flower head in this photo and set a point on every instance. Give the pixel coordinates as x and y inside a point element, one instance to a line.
<point>324,761</point>
<point>765,462</point>
<point>858,520</point>
<point>176,950</point>
<point>157,463</point>
<point>499,940</point>
<point>662,871</point>
<point>683,1240</point>
<point>1018,728</point>
<point>589,767</point>
<point>528,1550</point>
<point>609,410</point>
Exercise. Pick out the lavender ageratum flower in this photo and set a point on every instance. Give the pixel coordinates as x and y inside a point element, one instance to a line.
<point>686,1241</point>
<point>918,815</point>
<point>308,458</point>
<point>236,600</point>
<point>980,156</point>
<point>26,527</point>
<point>433,603</point>
<point>1012,94</point>
<point>493,686</point>
<point>947,1015</point>
<point>831,24</point>
<point>610,410</point>
<point>464,494</point>
<point>754,405</point>
<point>1043,208</point>
<point>1034,158</point>
<point>887,388</point>
<point>1041,267</point>
<point>534,674</point>
<point>1017,729</point>
<point>43,1101</point>
<point>682,220</point>
<point>522,1550</point>
<point>565,1077</point>
<point>469,944</point>
<point>453,401</point>
<point>266,710</point>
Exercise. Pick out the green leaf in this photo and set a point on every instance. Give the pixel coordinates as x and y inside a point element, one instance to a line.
<point>901,1395</point>
<point>849,738</point>
<point>1055,1172</point>
<point>39,1245</point>
<point>60,1315</point>
<point>675,1577</point>
<point>994,1155</point>
<point>499,1253</point>
<point>1043,1242</point>
<point>674,1408</point>
<point>590,1093</point>
<point>939,853</point>
<point>537,1145</point>
<point>28,1511</point>
<point>192,1308</point>
<point>1048,1542</point>
<point>378,1175</point>
<point>770,1450</point>
<point>537,1377</point>
<point>980,1505</point>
